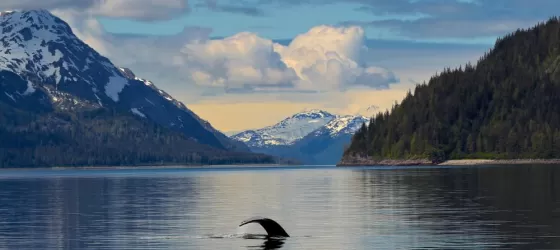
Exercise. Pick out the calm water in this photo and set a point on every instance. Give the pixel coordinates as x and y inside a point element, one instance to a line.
<point>321,208</point>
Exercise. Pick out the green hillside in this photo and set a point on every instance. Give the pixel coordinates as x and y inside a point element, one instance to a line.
<point>505,106</point>
<point>101,137</point>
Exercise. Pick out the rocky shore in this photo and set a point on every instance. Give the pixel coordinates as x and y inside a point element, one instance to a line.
<point>499,162</point>
<point>367,161</point>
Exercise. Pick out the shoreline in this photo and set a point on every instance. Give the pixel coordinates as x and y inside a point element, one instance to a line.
<point>147,167</point>
<point>362,162</point>
<point>468,162</point>
<point>365,161</point>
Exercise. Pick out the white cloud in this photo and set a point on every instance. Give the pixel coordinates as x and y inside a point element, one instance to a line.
<point>145,10</point>
<point>140,9</point>
<point>324,58</point>
<point>43,4</point>
<point>243,61</point>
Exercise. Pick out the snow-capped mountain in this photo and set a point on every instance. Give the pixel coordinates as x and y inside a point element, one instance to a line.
<point>143,108</point>
<point>287,131</point>
<point>313,137</point>
<point>43,65</point>
<point>341,125</point>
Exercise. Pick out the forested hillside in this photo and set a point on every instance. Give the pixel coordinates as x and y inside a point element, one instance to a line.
<point>505,106</point>
<point>64,104</point>
<point>100,137</point>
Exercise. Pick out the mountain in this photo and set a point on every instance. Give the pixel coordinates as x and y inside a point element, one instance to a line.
<point>287,131</point>
<point>147,108</point>
<point>506,106</point>
<point>312,137</point>
<point>49,78</point>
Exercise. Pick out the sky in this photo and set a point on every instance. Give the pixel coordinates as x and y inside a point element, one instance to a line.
<point>246,64</point>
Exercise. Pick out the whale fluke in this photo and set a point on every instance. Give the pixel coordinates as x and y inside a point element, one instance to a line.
<point>272,228</point>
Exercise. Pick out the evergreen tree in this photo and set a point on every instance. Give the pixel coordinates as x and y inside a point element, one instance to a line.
<point>505,106</point>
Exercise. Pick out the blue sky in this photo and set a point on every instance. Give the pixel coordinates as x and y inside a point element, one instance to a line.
<point>280,23</point>
<point>283,23</point>
<point>234,63</point>
<point>382,19</point>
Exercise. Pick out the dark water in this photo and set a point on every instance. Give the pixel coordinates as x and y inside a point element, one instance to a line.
<point>505,207</point>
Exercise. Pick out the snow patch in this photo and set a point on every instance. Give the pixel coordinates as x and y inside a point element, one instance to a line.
<point>345,125</point>
<point>137,112</point>
<point>287,131</point>
<point>98,99</point>
<point>30,89</point>
<point>300,125</point>
<point>149,101</point>
<point>2,13</point>
<point>12,97</point>
<point>115,85</point>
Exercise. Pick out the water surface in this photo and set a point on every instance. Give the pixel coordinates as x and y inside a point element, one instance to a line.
<point>504,207</point>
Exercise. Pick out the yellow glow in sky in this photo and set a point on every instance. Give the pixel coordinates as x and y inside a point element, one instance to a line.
<point>245,113</point>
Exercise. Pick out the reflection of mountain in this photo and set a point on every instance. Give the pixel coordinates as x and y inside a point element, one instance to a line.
<point>313,137</point>
<point>322,208</point>
<point>77,213</point>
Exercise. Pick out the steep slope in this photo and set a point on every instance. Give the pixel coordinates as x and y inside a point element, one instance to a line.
<point>42,49</point>
<point>100,137</point>
<point>54,89</point>
<point>507,106</point>
<point>175,116</point>
<point>313,137</point>
<point>287,131</point>
<point>340,128</point>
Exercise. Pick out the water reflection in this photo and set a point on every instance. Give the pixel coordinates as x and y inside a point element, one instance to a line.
<point>321,208</point>
<point>269,244</point>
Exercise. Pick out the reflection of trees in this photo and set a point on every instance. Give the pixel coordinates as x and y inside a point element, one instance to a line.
<point>77,213</point>
<point>510,204</point>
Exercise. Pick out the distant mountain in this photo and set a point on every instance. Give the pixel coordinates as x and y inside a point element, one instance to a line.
<point>287,131</point>
<point>313,137</point>
<point>506,106</point>
<point>47,73</point>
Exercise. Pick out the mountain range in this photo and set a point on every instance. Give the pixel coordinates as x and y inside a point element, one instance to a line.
<point>53,87</point>
<point>312,137</point>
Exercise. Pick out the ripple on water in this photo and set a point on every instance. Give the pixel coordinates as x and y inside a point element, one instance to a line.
<point>321,208</point>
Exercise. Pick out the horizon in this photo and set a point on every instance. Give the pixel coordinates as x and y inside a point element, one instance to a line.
<point>230,69</point>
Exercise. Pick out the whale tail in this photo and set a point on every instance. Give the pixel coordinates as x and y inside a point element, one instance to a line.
<point>272,228</point>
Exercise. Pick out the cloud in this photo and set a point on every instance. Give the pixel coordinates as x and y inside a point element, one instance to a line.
<point>324,58</point>
<point>145,10</point>
<point>240,62</point>
<point>142,10</point>
<point>457,19</point>
<point>448,28</point>
<point>241,7</point>
<point>440,19</point>
<point>334,58</point>
<point>44,4</point>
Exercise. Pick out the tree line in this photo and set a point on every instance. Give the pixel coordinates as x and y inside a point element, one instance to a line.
<point>505,106</point>
<point>101,137</point>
